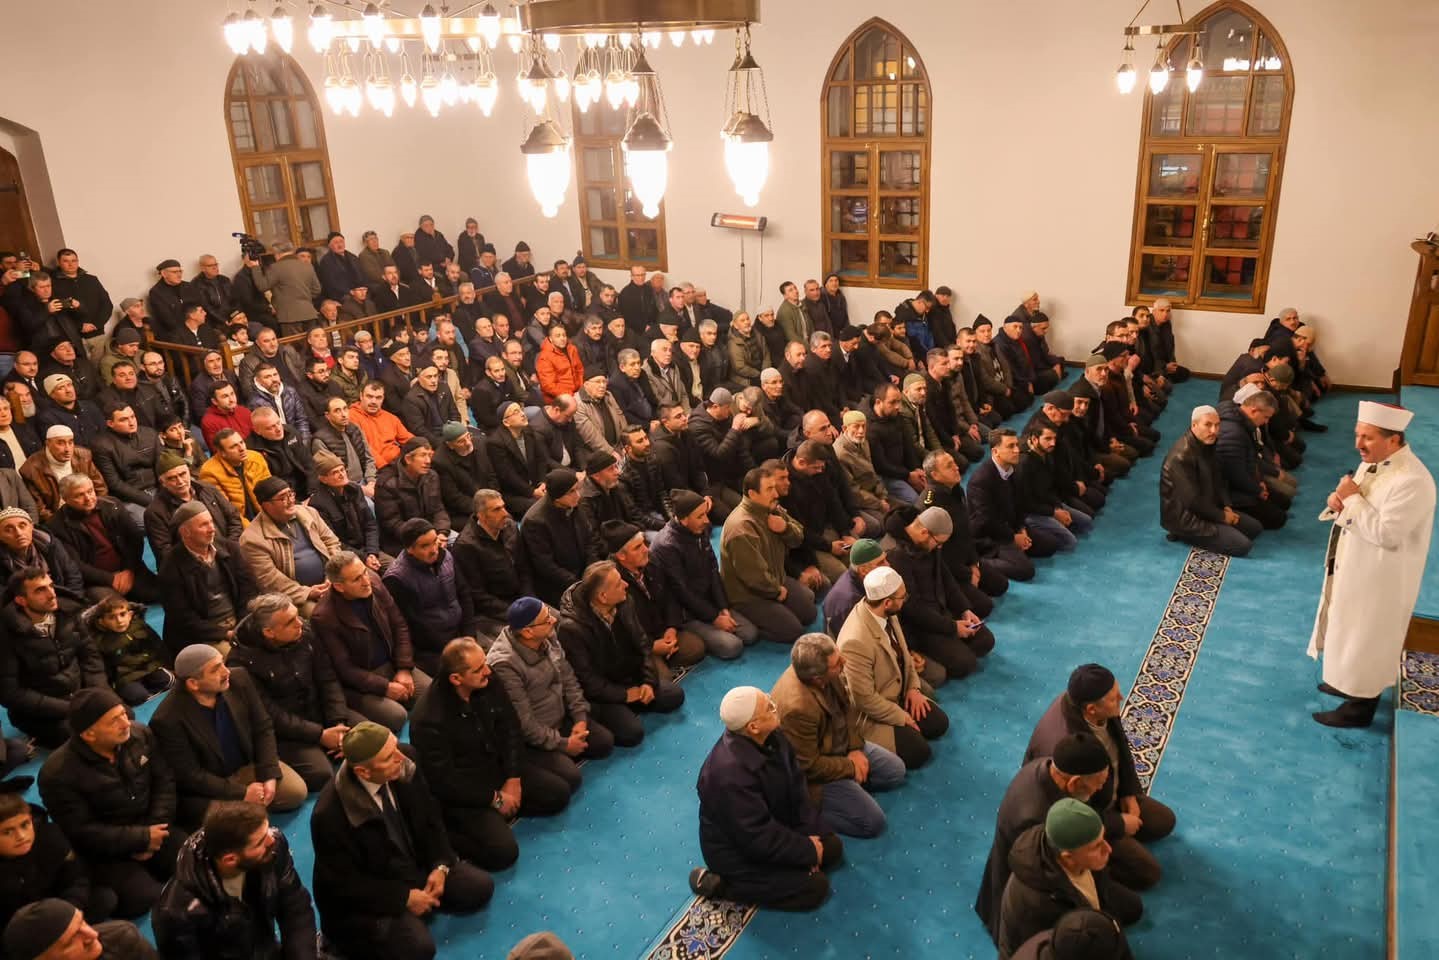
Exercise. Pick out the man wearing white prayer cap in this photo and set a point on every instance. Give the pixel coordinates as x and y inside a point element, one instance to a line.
<point>1382,518</point>
<point>883,682</point>
<point>763,841</point>
<point>1194,504</point>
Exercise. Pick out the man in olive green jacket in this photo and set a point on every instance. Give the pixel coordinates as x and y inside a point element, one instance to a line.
<point>756,537</point>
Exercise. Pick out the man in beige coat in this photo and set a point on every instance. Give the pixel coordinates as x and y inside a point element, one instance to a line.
<point>287,546</point>
<point>293,286</point>
<point>883,683</point>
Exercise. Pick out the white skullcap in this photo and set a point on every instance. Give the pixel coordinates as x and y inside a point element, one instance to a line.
<point>881,583</point>
<point>59,430</point>
<point>1384,415</point>
<point>738,706</point>
<point>1247,391</point>
<point>1203,410</point>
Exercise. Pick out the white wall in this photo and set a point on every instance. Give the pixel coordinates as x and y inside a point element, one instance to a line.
<point>1034,158</point>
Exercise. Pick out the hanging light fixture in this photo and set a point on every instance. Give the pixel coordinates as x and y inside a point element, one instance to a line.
<point>489,25</point>
<point>237,36</point>
<point>1194,70</point>
<point>1159,73</point>
<point>547,162</point>
<point>430,85</point>
<point>282,28</point>
<point>374,22</point>
<point>647,142</point>
<point>409,89</point>
<point>746,131</point>
<point>320,25</point>
<point>334,96</point>
<point>430,27</point>
<point>1124,77</point>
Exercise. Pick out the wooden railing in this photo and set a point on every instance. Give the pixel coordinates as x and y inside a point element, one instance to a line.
<point>186,360</point>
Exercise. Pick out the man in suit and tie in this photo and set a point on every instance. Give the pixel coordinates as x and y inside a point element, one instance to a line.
<point>883,682</point>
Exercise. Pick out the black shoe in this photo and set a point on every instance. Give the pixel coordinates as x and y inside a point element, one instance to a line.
<point>1338,718</point>
<point>1313,426</point>
<point>705,883</point>
<point>1332,691</point>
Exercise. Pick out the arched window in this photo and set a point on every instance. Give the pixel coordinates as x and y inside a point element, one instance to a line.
<point>875,112</point>
<point>277,139</point>
<point>1210,167</point>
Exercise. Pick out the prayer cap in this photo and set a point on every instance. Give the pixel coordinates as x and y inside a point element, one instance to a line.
<point>1080,754</point>
<point>910,380</point>
<point>364,741</point>
<point>170,264</point>
<point>1071,824</point>
<point>270,488</point>
<point>1080,934</point>
<point>937,521</point>
<point>600,460</point>
<point>413,529</point>
<point>738,706</point>
<point>194,658</point>
<point>864,551</point>
<point>881,583</point>
<point>853,416</point>
<point>1058,398</point>
<point>1384,415</point>
<point>127,335</point>
<point>720,397</point>
<point>453,431</point>
<point>59,431</point>
<point>523,612</point>
<point>187,511</point>
<point>981,321</point>
<point>1095,360</point>
<point>1246,391</point>
<point>413,444</point>
<point>1089,682</point>
<point>325,461</point>
<point>9,512</point>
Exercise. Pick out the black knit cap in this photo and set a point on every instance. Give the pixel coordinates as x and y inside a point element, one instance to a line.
<point>38,926</point>
<point>1089,683</point>
<point>88,705</point>
<point>1080,754</point>
<point>413,529</point>
<point>559,482</point>
<point>617,533</point>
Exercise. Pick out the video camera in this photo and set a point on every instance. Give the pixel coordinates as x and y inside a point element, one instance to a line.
<point>250,248</point>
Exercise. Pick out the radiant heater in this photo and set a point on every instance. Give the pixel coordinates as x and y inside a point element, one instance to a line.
<point>743,223</point>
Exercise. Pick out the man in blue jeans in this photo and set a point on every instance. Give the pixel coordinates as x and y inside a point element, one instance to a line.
<point>823,725</point>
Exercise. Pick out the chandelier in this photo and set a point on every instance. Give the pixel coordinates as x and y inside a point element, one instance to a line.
<point>1126,76</point>
<point>590,50</point>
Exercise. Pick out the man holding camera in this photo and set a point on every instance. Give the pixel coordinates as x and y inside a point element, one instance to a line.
<point>293,286</point>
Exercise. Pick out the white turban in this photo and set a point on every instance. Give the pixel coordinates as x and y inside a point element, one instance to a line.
<point>1385,416</point>
<point>881,583</point>
<point>1246,391</point>
<point>738,706</point>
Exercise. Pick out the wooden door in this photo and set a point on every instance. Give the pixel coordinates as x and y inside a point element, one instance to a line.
<point>1420,360</point>
<point>17,232</point>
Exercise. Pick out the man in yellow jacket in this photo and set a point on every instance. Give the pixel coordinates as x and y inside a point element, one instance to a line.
<point>234,470</point>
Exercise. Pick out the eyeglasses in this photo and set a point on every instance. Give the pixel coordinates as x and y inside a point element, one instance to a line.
<point>287,497</point>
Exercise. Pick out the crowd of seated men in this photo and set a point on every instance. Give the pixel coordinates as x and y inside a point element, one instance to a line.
<point>494,527</point>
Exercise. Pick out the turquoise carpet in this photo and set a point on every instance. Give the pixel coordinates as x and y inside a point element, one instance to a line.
<point>1423,436</point>
<point>1279,850</point>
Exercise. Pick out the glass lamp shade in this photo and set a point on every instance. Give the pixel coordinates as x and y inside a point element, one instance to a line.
<point>486,92</point>
<point>430,27</point>
<point>319,32</point>
<point>547,162</point>
<point>237,35</point>
<point>748,167</point>
<point>409,90</point>
<point>1158,78</point>
<point>282,28</point>
<point>430,94</point>
<point>255,33</point>
<point>490,25</point>
<point>646,147</point>
<point>374,25</point>
<point>1194,74</point>
<point>1124,78</point>
<point>334,96</point>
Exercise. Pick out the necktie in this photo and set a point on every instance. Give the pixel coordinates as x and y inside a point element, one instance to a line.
<point>898,655</point>
<point>395,824</point>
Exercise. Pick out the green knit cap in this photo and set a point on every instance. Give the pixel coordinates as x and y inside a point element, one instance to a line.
<point>863,551</point>
<point>1071,824</point>
<point>364,741</point>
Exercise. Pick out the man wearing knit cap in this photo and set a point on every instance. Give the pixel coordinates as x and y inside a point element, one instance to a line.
<point>848,590</point>
<point>287,546</point>
<point>56,930</point>
<point>722,435</point>
<point>556,536</point>
<point>1091,703</point>
<point>762,839</point>
<point>46,657</point>
<point>1382,517</point>
<point>1081,934</point>
<point>218,739</point>
<point>520,459</point>
<point>1194,504</point>
<point>408,489</point>
<point>383,859</point>
<point>1108,434</point>
<point>340,502</point>
<point>685,558</point>
<point>463,467</point>
<point>554,714</point>
<point>603,499</point>
<point>66,406</point>
<point>851,450</point>
<point>207,582</point>
<point>1079,767</point>
<point>882,676</point>
<point>43,470</point>
<point>178,487</point>
<point>110,790</point>
<point>1059,866</point>
<point>938,618</point>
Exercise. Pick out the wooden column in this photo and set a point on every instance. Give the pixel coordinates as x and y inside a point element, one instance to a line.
<point>1419,363</point>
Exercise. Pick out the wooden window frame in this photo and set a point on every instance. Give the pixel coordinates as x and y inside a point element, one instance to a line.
<point>874,145</point>
<point>285,158</point>
<point>1210,148</point>
<point>627,207</point>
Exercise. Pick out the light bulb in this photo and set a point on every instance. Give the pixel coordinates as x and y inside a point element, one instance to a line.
<point>516,41</point>
<point>350,92</point>
<point>562,88</point>
<point>374,25</point>
<point>334,97</point>
<point>449,88</point>
<point>430,94</point>
<point>748,168</point>
<point>255,30</point>
<point>320,30</point>
<point>1124,78</point>
<point>237,35</point>
<point>283,29</point>
<point>632,91</point>
<point>1158,78</point>
<point>490,25</point>
<point>549,175</point>
<point>1193,73</point>
<point>649,176</point>
<point>487,91</point>
<point>677,37</point>
<point>430,27</point>
<point>409,89</point>
<point>615,89</point>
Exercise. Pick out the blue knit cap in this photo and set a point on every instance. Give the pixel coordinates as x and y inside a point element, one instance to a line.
<point>524,612</point>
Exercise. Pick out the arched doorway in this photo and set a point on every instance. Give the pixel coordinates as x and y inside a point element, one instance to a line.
<point>17,229</point>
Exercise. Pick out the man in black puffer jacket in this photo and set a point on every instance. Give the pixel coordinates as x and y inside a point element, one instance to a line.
<point>607,648</point>
<point>272,916</point>
<point>41,671</point>
<point>296,684</point>
<point>1194,504</point>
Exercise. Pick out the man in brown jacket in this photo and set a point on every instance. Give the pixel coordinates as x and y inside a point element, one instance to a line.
<point>59,457</point>
<point>288,546</point>
<point>752,550</point>
<point>362,630</point>
<point>823,725</point>
<point>895,713</point>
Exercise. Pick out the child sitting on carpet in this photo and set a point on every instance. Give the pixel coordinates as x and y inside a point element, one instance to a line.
<point>134,656</point>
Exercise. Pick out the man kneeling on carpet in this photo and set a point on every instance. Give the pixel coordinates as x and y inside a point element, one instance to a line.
<point>1059,866</point>
<point>1091,704</point>
<point>762,839</point>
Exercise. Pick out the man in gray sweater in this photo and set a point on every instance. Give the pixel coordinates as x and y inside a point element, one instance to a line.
<point>554,715</point>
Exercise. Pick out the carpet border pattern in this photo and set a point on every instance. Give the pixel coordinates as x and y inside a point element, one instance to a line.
<point>1155,696</point>
<point>1419,683</point>
<point>703,930</point>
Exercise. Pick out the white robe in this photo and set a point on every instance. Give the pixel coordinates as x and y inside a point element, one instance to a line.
<point>1383,541</point>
